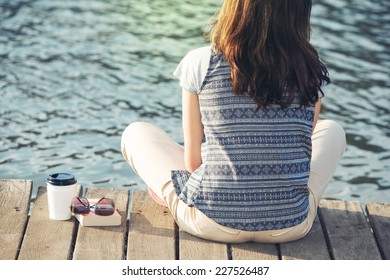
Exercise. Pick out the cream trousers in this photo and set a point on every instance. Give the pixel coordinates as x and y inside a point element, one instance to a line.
<point>152,154</point>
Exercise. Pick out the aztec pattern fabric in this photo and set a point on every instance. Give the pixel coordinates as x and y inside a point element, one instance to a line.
<point>255,163</point>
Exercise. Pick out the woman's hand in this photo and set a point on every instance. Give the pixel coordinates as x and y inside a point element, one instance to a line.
<point>192,131</point>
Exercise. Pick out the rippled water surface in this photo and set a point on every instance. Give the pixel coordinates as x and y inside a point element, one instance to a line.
<point>73,74</point>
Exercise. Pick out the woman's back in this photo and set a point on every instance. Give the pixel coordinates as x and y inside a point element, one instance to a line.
<point>255,162</point>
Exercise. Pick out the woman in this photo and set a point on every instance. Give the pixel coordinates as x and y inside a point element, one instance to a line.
<point>255,161</point>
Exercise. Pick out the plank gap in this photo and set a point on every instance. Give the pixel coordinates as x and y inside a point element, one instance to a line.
<point>378,216</point>
<point>279,251</point>
<point>127,227</point>
<point>29,210</point>
<point>22,238</point>
<point>376,237</point>
<point>15,197</point>
<point>326,236</point>
<point>126,239</point>
<point>73,241</point>
<point>381,251</point>
<point>229,251</point>
<point>75,230</point>
<point>177,242</point>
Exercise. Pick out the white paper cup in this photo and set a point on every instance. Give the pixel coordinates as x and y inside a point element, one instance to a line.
<point>61,188</point>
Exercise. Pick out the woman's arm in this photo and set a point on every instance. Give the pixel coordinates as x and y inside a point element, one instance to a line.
<point>317,109</point>
<point>192,130</point>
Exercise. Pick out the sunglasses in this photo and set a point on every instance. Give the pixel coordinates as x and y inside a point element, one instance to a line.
<point>103,207</point>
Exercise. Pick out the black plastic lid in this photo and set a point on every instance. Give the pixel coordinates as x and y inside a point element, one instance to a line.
<point>61,179</point>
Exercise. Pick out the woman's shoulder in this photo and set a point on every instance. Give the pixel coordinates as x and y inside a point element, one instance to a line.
<point>201,51</point>
<point>198,55</point>
<point>193,68</point>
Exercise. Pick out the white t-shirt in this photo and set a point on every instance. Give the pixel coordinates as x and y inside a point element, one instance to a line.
<point>193,69</point>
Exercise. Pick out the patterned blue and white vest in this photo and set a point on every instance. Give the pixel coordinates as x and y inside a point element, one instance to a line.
<point>255,164</point>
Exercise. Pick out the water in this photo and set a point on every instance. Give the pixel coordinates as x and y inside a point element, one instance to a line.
<point>74,74</point>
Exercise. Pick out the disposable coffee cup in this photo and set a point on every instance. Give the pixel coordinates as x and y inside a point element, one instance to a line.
<point>61,188</point>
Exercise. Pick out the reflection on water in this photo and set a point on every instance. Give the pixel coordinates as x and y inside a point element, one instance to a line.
<point>73,74</point>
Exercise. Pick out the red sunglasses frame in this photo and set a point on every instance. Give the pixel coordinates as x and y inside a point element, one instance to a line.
<point>103,207</point>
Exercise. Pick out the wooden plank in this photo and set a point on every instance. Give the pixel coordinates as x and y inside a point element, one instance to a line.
<point>104,242</point>
<point>379,217</point>
<point>47,239</point>
<point>151,230</point>
<point>254,251</point>
<point>14,206</point>
<point>194,248</point>
<point>349,234</point>
<point>311,247</point>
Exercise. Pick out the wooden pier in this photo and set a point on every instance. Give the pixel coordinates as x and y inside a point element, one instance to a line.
<point>342,231</point>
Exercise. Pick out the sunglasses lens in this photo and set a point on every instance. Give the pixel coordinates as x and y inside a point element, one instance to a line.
<point>79,205</point>
<point>105,207</point>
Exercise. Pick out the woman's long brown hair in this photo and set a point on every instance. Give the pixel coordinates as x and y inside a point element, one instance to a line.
<point>266,43</point>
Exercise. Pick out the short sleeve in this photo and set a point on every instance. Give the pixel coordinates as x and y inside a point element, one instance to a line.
<point>192,69</point>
